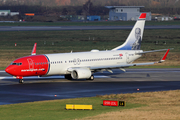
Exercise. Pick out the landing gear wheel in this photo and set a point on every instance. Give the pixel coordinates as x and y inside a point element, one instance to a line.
<point>21,81</point>
<point>91,78</point>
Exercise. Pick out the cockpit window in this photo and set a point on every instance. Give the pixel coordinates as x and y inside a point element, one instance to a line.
<point>16,64</point>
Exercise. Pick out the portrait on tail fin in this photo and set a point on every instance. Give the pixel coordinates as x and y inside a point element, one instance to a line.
<point>137,44</point>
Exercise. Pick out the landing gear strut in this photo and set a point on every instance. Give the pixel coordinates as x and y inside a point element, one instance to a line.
<point>21,81</point>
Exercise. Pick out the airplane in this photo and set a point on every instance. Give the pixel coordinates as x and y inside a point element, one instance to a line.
<point>82,65</point>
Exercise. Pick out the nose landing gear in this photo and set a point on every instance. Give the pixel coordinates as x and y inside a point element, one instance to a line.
<point>21,81</point>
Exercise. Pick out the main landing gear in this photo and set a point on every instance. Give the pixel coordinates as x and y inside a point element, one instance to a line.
<point>21,81</point>
<point>70,78</point>
<point>91,78</point>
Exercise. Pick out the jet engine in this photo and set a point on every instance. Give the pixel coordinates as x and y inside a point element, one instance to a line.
<point>81,73</point>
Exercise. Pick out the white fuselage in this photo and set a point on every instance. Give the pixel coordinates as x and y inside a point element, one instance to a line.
<point>59,63</point>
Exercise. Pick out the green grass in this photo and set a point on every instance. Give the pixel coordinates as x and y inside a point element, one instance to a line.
<point>55,110</point>
<point>2,68</point>
<point>102,23</point>
<point>85,40</point>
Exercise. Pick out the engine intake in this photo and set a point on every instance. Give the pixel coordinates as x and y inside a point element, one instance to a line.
<point>81,73</point>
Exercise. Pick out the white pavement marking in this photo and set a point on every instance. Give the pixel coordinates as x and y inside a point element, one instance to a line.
<point>49,77</point>
<point>6,78</point>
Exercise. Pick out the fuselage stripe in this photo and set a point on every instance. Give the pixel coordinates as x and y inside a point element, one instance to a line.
<point>48,65</point>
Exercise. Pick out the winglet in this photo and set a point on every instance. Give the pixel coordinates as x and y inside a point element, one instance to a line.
<point>34,49</point>
<point>164,57</point>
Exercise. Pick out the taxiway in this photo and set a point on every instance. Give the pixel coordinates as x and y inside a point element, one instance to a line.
<point>59,28</point>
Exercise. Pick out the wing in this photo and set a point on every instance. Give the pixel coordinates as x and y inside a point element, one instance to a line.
<point>154,51</point>
<point>133,64</point>
<point>96,68</point>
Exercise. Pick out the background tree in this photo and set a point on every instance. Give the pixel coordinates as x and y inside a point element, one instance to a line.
<point>87,8</point>
<point>64,11</point>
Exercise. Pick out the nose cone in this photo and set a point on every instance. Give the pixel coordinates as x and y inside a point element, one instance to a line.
<point>10,70</point>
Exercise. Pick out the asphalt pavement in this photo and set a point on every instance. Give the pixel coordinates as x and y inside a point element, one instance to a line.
<point>45,88</point>
<point>59,28</point>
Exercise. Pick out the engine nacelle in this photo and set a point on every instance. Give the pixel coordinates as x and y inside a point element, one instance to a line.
<point>81,73</point>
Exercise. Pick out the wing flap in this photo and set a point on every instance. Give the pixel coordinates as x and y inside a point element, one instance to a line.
<point>111,67</point>
<point>121,66</point>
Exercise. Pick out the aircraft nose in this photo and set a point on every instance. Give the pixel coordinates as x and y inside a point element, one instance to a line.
<point>9,70</point>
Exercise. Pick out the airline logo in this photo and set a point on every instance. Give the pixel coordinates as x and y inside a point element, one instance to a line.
<point>32,70</point>
<point>121,54</point>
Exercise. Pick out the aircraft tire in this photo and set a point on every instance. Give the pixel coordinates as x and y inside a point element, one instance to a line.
<point>21,81</point>
<point>91,78</point>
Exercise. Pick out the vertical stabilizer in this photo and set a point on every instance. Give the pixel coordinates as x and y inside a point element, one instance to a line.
<point>34,49</point>
<point>133,42</point>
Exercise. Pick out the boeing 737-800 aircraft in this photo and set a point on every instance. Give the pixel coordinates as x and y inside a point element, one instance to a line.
<point>82,65</point>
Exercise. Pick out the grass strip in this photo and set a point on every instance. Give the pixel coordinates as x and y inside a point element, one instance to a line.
<point>55,109</point>
<point>160,105</point>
